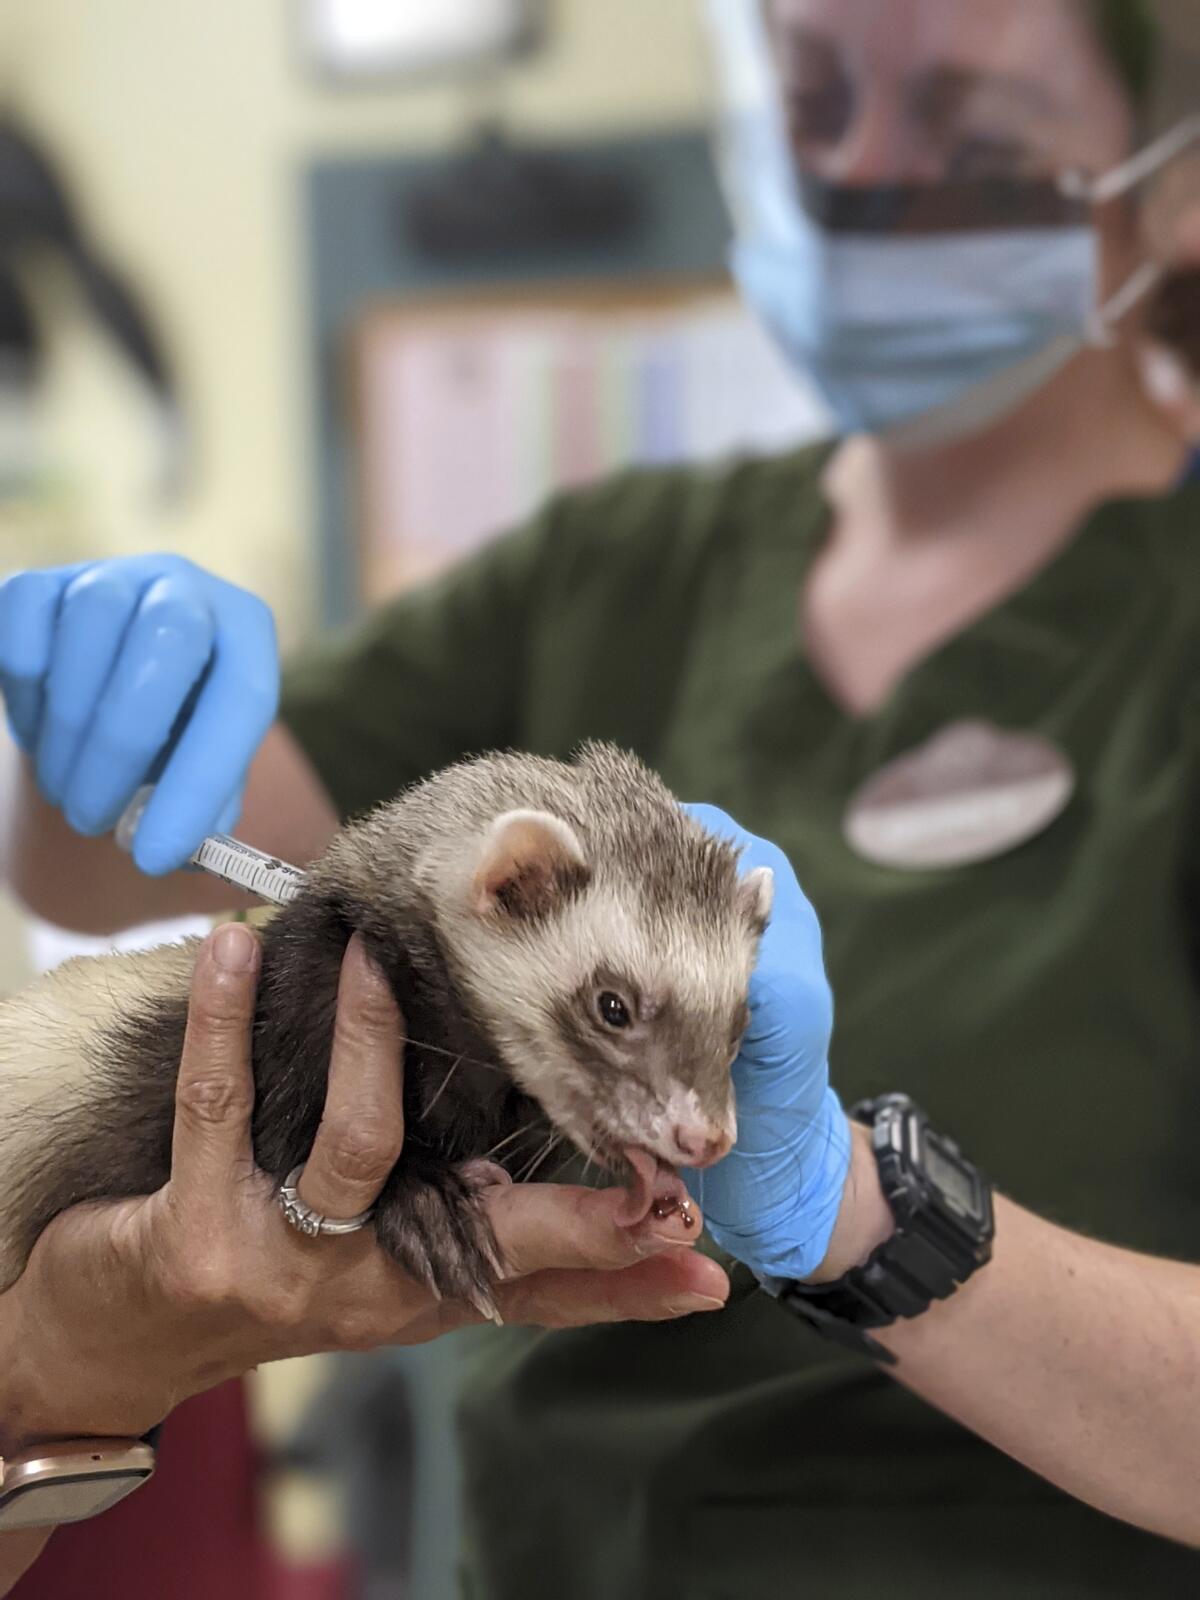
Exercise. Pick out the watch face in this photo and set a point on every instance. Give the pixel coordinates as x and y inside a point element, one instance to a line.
<point>956,1183</point>
<point>42,1504</point>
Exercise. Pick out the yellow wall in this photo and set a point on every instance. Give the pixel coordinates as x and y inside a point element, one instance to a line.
<point>186,124</point>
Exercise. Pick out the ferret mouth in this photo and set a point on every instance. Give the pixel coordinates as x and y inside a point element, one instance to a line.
<point>654,1188</point>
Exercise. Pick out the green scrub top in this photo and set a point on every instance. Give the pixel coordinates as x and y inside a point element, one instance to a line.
<point>1044,1006</point>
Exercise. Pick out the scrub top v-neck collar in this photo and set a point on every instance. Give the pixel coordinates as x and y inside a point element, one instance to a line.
<point>1016,663</point>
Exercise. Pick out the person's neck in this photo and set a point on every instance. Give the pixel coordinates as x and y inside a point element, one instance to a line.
<point>1091,435</point>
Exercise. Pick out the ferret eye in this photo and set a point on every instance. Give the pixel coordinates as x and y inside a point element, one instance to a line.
<point>612,1010</point>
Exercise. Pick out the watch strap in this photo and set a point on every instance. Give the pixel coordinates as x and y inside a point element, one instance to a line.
<point>930,1254</point>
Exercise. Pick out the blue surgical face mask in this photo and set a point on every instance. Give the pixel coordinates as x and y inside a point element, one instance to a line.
<point>892,330</point>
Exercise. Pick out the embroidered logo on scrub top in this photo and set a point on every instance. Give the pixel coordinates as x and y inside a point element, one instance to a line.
<point>970,793</point>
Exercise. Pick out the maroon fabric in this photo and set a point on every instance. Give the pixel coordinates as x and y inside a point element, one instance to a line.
<point>191,1533</point>
<point>331,1581</point>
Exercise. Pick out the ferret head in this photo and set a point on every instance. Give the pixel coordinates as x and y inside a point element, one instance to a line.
<point>607,940</point>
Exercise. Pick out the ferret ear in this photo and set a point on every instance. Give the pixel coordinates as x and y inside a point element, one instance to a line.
<point>529,862</point>
<point>756,895</point>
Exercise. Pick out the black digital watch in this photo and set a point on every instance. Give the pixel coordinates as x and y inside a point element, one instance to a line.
<point>944,1231</point>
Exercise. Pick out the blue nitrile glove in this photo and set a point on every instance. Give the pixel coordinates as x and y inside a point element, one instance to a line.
<point>115,673</point>
<point>773,1201</point>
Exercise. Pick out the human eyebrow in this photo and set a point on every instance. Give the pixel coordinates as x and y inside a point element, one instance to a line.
<point>941,95</point>
<point>796,47</point>
<point>817,93</point>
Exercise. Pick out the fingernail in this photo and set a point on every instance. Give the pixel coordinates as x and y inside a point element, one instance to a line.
<point>650,1244</point>
<point>691,1303</point>
<point>234,948</point>
<point>154,860</point>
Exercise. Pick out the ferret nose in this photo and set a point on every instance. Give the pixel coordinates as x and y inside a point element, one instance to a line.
<point>699,1147</point>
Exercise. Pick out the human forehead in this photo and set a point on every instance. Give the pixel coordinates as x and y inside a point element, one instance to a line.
<point>1035,59</point>
<point>1049,43</point>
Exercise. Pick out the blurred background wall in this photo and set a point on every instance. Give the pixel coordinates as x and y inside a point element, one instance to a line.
<point>186,127</point>
<point>188,133</point>
<point>184,130</point>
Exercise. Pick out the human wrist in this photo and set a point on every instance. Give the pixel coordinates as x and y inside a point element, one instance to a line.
<point>28,1418</point>
<point>864,1219</point>
<point>49,1390</point>
<point>24,1409</point>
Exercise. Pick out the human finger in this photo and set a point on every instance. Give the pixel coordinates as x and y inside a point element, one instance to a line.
<point>675,1284</point>
<point>214,1096</point>
<point>93,615</point>
<point>164,652</point>
<point>231,717</point>
<point>791,1006</point>
<point>29,604</point>
<point>362,1127</point>
<point>544,1226</point>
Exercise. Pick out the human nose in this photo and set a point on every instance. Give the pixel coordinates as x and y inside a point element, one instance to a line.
<point>880,147</point>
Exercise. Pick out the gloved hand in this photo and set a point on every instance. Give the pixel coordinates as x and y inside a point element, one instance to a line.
<point>116,673</point>
<point>773,1201</point>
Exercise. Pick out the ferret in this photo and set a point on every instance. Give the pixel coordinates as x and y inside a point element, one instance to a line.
<point>571,954</point>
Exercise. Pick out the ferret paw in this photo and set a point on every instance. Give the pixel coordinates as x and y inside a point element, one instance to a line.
<point>429,1221</point>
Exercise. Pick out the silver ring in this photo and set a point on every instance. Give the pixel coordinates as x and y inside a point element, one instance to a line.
<point>309,1222</point>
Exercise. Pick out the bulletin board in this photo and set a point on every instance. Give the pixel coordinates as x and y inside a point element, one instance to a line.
<point>371,295</point>
<point>472,410</point>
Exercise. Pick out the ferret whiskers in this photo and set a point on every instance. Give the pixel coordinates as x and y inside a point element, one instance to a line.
<point>528,1171</point>
<point>454,1066</point>
<point>593,1154</point>
<point>440,1050</point>
<point>517,1133</point>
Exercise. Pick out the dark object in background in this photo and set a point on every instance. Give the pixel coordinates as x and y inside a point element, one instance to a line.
<point>37,214</point>
<point>501,200</point>
<point>18,334</point>
<point>357,1432</point>
<point>1174,317</point>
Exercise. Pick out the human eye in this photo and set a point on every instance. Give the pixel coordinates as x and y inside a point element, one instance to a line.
<point>818,93</point>
<point>820,114</point>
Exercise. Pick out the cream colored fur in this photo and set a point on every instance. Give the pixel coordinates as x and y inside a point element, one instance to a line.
<point>48,1038</point>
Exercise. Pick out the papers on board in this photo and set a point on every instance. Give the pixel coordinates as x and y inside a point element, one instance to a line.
<point>470,420</point>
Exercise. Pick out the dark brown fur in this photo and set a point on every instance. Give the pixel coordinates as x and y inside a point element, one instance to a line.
<point>111,1135</point>
<point>426,1216</point>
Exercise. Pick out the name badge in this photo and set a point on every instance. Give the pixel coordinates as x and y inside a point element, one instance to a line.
<point>970,793</point>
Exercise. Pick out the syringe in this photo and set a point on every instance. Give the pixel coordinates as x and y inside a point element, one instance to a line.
<point>225,858</point>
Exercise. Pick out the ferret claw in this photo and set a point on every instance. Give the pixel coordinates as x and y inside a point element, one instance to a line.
<point>492,1254</point>
<point>487,1308</point>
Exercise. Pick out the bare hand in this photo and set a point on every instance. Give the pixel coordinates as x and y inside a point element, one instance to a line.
<point>128,1307</point>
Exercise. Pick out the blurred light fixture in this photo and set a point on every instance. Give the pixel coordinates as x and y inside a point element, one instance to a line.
<point>365,39</point>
